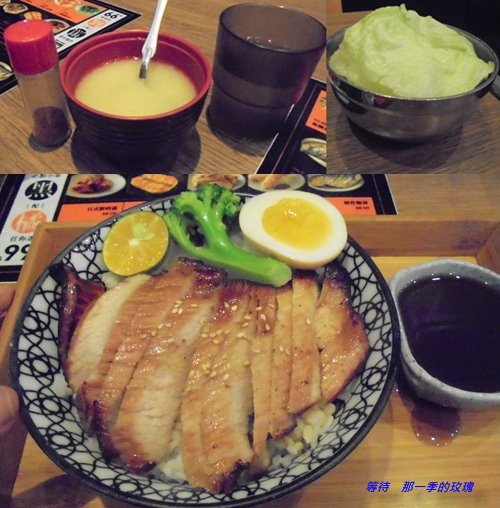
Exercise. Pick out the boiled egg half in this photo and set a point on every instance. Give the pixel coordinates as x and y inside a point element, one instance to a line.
<point>300,228</point>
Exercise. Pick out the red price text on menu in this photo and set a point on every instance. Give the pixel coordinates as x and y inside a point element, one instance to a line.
<point>93,211</point>
<point>317,117</point>
<point>354,205</point>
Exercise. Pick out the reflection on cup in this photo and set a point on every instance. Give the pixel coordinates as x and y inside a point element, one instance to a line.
<point>263,60</point>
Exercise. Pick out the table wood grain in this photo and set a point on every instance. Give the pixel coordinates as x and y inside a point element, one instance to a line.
<point>474,148</point>
<point>460,196</point>
<point>203,151</point>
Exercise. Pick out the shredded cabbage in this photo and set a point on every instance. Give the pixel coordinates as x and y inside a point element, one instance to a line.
<point>394,51</point>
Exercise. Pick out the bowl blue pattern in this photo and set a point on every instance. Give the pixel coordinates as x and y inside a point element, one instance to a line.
<point>52,419</point>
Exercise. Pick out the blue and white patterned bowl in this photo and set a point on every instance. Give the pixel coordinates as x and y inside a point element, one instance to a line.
<point>53,421</point>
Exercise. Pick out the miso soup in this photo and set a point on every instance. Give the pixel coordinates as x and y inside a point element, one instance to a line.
<point>116,88</point>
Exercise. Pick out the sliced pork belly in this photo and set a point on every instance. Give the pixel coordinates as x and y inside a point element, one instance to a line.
<point>147,308</point>
<point>77,296</point>
<point>152,400</point>
<point>305,388</point>
<point>91,334</point>
<point>228,401</point>
<point>196,467</point>
<point>217,401</point>
<point>281,370</point>
<point>261,368</point>
<point>90,390</point>
<point>340,332</point>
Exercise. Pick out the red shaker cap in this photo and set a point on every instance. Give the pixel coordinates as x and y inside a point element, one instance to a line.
<point>31,46</point>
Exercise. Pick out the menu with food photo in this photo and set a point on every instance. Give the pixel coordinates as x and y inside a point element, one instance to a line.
<point>32,199</point>
<point>73,21</point>
<point>300,145</point>
<point>355,194</point>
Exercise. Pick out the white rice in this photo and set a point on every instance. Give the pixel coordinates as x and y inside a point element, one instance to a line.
<point>171,467</point>
<point>310,425</point>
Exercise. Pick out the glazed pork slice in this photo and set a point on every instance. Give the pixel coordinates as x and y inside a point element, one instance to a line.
<point>305,387</point>
<point>149,306</point>
<point>281,369</point>
<point>152,400</point>
<point>218,399</point>
<point>91,334</point>
<point>228,401</point>
<point>340,333</point>
<point>77,296</point>
<point>261,349</point>
<point>89,391</point>
<point>196,466</point>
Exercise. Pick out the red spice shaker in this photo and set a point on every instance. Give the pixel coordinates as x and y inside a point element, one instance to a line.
<point>33,57</point>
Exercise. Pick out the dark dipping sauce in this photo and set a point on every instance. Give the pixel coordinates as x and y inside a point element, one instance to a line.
<point>452,326</point>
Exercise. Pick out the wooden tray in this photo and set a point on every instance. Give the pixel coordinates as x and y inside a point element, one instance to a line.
<point>390,453</point>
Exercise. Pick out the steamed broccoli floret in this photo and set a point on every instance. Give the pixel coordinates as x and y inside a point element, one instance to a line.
<point>205,210</point>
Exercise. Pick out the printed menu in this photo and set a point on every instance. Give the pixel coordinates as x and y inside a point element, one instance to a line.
<point>33,199</point>
<point>300,145</point>
<point>72,22</point>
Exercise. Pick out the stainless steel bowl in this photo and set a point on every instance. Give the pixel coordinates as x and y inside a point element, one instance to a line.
<point>407,119</point>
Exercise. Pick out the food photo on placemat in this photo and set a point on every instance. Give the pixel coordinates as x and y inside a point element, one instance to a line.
<point>300,144</point>
<point>33,199</point>
<point>72,21</point>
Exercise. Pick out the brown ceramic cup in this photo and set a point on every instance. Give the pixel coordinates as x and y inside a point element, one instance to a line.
<point>264,58</point>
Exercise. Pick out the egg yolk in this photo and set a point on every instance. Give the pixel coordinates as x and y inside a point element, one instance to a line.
<point>297,223</point>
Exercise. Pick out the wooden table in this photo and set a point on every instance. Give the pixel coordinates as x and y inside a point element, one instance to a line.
<point>475,148</point>
<point>203,151</point>
<point>439,215</point>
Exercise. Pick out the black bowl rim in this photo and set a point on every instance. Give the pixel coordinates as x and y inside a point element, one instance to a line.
<point>276,493</point>
<point>486,83</point>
